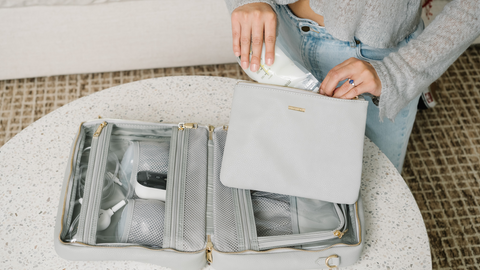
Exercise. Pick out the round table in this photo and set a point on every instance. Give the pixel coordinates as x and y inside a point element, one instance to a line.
<point>32,166</point>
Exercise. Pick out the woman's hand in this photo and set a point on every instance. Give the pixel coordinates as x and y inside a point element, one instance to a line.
<point>253,23</point>
<point>362,73</point>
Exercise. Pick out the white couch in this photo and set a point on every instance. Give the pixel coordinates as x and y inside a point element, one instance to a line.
<point>86,36</point>
<point>51,37</point>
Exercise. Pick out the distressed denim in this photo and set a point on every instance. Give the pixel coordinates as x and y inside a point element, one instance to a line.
<point>310,45</point>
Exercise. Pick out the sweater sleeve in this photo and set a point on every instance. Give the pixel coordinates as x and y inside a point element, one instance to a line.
<point>233,4</point>
<point>424,59</point>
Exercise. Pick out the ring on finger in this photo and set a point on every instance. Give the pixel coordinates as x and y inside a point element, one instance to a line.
<point>351,82</point>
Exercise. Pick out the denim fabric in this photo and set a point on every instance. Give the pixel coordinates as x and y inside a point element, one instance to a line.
<point>311,45</point>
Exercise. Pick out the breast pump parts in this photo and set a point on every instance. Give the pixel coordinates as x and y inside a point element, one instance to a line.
<point>146,166</point>
<point>105,216</point>
<point>283,72</point>
<point>151,185</point>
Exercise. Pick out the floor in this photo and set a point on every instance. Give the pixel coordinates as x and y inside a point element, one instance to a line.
<point>442,167</point>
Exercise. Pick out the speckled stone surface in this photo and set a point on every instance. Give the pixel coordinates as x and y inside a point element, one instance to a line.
<point>32,167</point>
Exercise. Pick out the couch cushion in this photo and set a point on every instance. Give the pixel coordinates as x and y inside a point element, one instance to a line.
<point>26,3</point>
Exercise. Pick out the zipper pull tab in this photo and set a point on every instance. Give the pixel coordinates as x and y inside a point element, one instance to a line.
<point>210,132</point>
<point>182,126</point>
<point>99,129</point>
<point>339,234</point>
<point>209,250</point>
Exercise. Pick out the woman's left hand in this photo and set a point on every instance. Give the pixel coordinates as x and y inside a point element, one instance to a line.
<point>364,77</point>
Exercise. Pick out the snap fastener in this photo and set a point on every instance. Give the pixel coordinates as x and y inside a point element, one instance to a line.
<point>305,28</point>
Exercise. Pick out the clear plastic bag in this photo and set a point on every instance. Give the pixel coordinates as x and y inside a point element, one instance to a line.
<point>283,72</point>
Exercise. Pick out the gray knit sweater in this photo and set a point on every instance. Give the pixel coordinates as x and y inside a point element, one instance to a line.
<point>384,23</point>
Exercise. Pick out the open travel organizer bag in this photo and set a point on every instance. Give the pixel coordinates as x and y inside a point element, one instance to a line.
<point>154,192</point>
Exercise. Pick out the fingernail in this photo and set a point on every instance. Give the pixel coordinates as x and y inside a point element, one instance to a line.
<point>321,92</point>
<point>254,67</point>
<point>244,65</point>
<point>269,61</point>
<point>237,54</point>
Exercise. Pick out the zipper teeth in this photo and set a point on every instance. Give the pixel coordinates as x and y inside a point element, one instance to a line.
<point>130,122</point>
<point>100,156</point>
<point>269,242</point>
<point>177,188</point>
<point>173,220</point>
<point>143,139</point>
<point>292,90</point>
<point>341,216</point>
<point>244,221</point>
<point>251,230</point>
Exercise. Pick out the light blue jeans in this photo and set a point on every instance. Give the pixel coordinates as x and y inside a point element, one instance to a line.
<point>309,44</point>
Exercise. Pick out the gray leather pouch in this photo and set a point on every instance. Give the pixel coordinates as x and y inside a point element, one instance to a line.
<point>295,142</point>
<point>201,220</point>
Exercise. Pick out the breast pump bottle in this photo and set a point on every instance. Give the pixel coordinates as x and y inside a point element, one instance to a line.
<point>283,72</point>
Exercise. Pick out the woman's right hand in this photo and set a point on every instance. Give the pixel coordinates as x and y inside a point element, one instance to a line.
<point>254,23</point>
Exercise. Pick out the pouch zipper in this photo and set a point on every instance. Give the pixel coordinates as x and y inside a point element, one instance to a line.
<point>99,129</point>
<point>298,91</point>
<point>177,178</point>
<point>209,250</point>
<point>210,132</point>
<point>247,221</point>
<point>98,173</point>
<point>91,200</point>
<point>178,184</point>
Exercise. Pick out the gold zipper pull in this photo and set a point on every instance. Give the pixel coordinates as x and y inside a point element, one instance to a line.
<point>339,234</point>
<point>182,126</point>
<point>210,132</point>
<point>225,128</point>
<point>99,129</point>
<point>209,250</point>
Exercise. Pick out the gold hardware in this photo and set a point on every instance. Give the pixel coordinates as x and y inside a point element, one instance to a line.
<point>355,98</point>
<point>99,129</point>
<point>99,117</point>
<point>328,259</point>
<point>209,250</point>
<point>210,132</point>
<point>182,126</point>
<point>293,108</point>
<point>225,128</point>
<point>339,234</point>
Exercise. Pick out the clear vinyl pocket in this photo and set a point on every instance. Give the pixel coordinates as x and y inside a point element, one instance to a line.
<point>125,155</point>
<point>101,190</point>
<point>133,211</point>
<point>78,171</point>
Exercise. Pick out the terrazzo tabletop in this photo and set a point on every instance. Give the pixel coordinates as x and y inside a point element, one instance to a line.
<point>33,163</point>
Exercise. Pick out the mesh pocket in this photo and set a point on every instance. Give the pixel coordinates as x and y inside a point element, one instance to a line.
<point>272,213</point>
<point>142,222</point>
<point>195,191</point>
<point>153,156</point>
<point>224,222</point>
